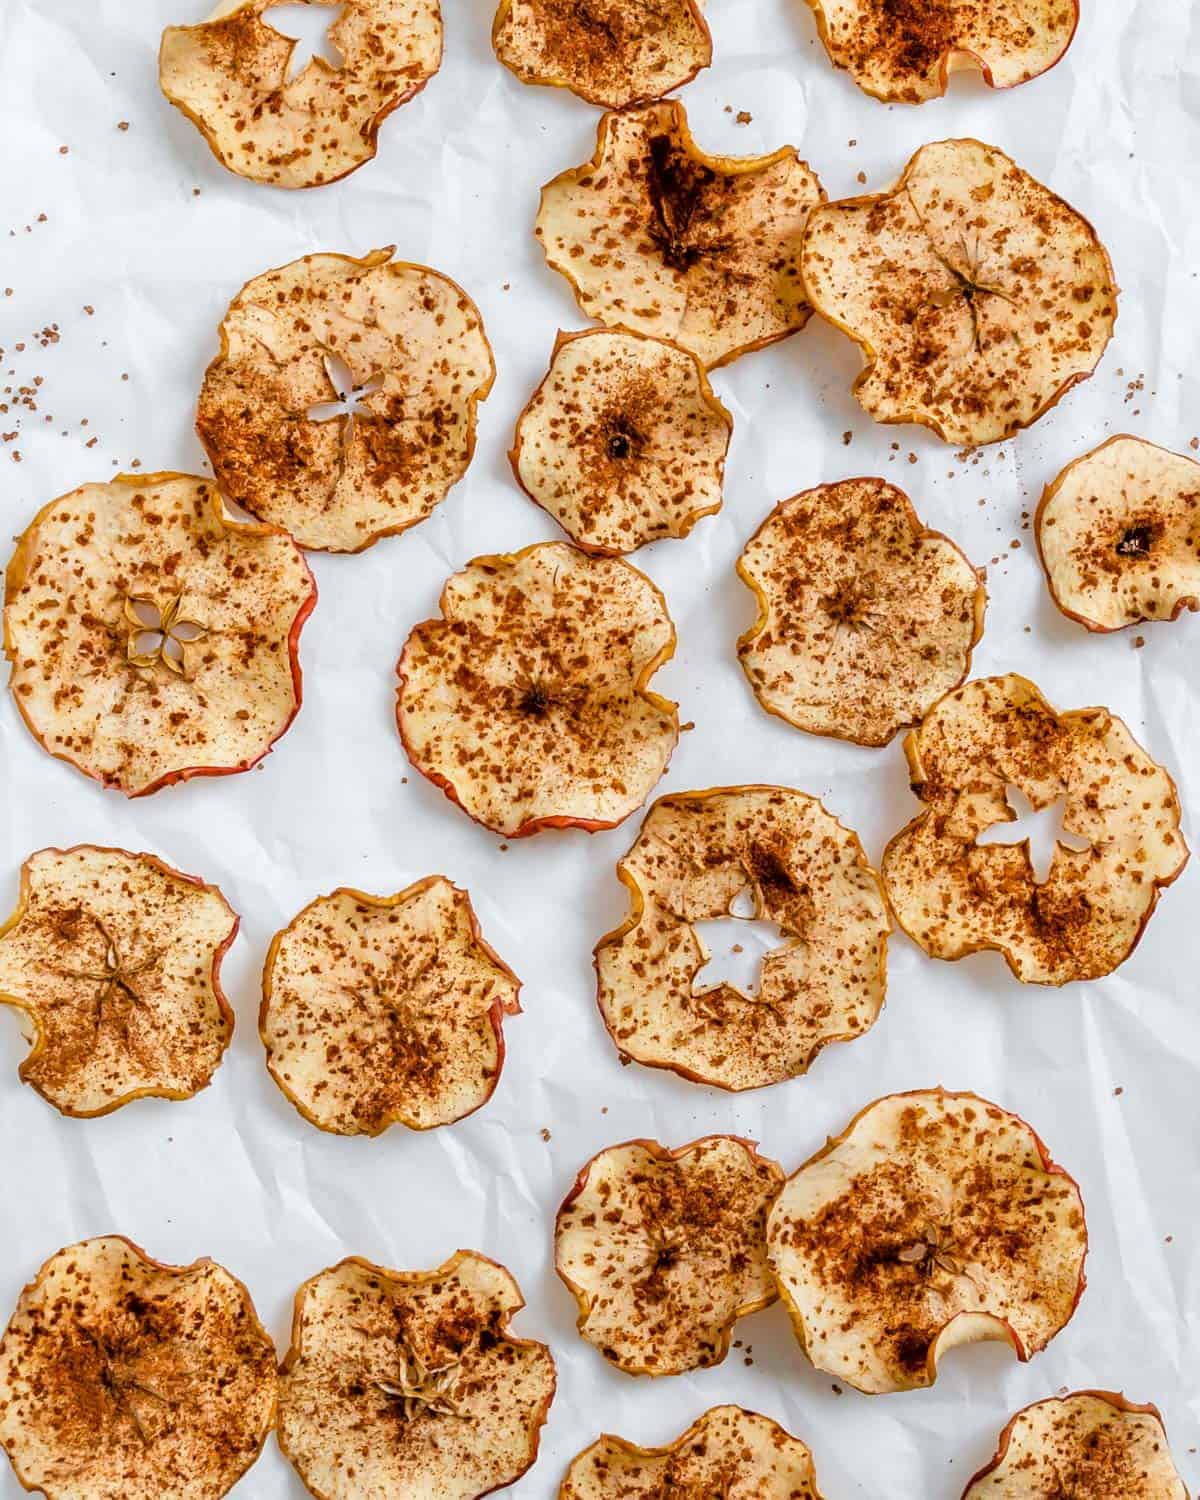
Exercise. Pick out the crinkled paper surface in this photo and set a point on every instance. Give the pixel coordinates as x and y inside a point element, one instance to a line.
<point>127,246</point>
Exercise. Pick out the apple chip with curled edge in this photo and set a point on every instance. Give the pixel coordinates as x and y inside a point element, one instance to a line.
<point>865,616</point>
<point>152,636</point>
<point>124,1377</point>
<point>378,1009</point>
<point>955,896</point>
<point>231,76</point>
<point>113,960</point>
<point>527,702</point>
<point>934,1219</point>
<point>1095,1445</point>
<point>410,1383</point>
<point>610,52</point>
<point>623,442</point>
<point>727,1452</point>
<point>655,235</point>
<point>697,853</point>
<point>903,51</point>
<point>664,1250</point>
<point>977,296</point>
<point>1119,535</point>
<point>414,349</point>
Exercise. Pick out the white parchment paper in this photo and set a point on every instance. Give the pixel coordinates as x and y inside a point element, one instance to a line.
<point>127,245</point>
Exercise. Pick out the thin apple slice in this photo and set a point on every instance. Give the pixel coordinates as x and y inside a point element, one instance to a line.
<point>664,1250</point>
<point>933,1220</point>
<point>232,77</point>
<point>152,636</point>
<point>122,1376</point>
<point>410,1382</point>
<point>655,235</point>
<point>977,296</point>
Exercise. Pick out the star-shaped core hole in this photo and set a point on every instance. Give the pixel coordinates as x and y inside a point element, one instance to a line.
<point>1042,827</point>
<point>307,24</point>
<point>734,947</point>
<point>159,633</point>
<point>350,402</point>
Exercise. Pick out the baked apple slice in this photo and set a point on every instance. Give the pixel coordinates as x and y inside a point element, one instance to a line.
<point>977,296</point>
<point>623,442</point>
<point>610,52</point>
<point>121,1376</point>
<point>527,702</point>
<point>1089,1443</point>
<point>410,1382</point>
<point>113,961</point>
<point>954,895</point>
<point>232,77</point>
<point>933,1220</point>
<point>653,234</point>
<point>865,616</point>
<point>728,1451</point>
<point>415,356</point>
<point>152,636</point>
<point>378,1009</point>
<point>1119,535</point>
<point>664,1250</point>
<point>696,855</point>
<point>904,53</point>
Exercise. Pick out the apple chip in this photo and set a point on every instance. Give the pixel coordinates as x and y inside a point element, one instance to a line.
<point>610,52</point>
<point>727,1452</point>
<point>664,1250</point>
<point>413,351</point>
<point>410,1383</point>
<point>153,637</point>
<point>865,616</point>
<point>125,1379</point>
<point>954,895</point>
<point>527,701</point>
<point>697,855</point>
<point>232,77</point>
<point>379,1009</point>
<point>934,1219</point>
<point>1089,1443</point>
<point>1119,535</point>
<point>654,235</point>
<point>977,296</point>
<point>903,51</point>
<point>623,442</point>
<point>113,961</point>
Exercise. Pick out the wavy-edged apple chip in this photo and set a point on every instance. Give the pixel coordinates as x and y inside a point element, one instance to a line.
<point>614,53</point>
<point>955,896</point>
<point>124,1377</point>
<point>664,1250</point>
<point>410,1382</point>
<point>623,442</point>
<point>232,77</point>
<point>728,1451</point>
<point>527,702</point>
<point>655,235</point>
<point>903,51</point>
<point>152,636</point>
<point>865,616</point>
<point>933,1220</point>
<point>977,296</point>
<point>696,854</point>
<point>113,960</point>
<point>1119,535</point>
<point>418,363</point>
<point>378,1009</point>
<point>1093,1444</point>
